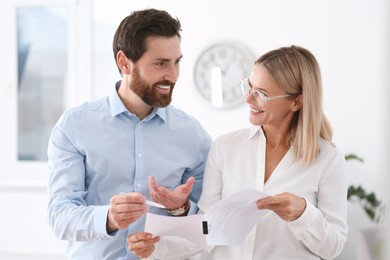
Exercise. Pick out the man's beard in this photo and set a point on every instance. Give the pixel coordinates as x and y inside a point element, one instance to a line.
<point>148,93</point>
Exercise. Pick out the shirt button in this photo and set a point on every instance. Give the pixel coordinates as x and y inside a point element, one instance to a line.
<point>139,126</point>
<point>139,155</point>
<point>138,185</point>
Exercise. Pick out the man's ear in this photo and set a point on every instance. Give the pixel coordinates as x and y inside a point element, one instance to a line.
<point>123,62</point>
<point>297,103</point>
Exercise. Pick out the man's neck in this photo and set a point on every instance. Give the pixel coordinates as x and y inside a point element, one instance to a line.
<point>133,103</point>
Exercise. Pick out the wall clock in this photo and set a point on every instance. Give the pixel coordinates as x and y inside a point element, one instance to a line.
<point>218,71</point>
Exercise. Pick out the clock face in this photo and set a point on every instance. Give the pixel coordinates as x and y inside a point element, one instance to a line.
<point>218,71</point>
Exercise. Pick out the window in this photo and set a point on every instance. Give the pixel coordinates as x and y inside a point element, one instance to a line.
<point>42,38</point>
<point>45,70</point>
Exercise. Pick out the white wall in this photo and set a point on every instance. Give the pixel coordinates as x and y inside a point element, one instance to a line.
<point>350,39</point>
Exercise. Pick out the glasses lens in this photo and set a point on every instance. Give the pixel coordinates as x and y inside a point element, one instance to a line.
<point>248,90</point>
<point>260,98</point>
<point>245,88</point>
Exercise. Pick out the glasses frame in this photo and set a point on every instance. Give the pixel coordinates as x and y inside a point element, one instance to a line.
<point>261,100</point>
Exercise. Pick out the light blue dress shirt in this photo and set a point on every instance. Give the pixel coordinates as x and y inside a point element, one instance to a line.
<point>100,149</point>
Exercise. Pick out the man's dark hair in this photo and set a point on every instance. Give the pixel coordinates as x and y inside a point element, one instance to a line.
<point>131,35</point>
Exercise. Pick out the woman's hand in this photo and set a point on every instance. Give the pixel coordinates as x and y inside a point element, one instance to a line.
<point>287,206</point>
<point>142,244</point>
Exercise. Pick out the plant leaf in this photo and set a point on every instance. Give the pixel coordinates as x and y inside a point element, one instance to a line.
<point>352,156</point>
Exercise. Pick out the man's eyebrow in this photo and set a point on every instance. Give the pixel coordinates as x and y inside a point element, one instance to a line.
<point>181,56</point>
<point>164,59</point>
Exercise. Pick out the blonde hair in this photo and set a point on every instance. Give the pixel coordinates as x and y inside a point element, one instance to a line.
<point>296,71</point>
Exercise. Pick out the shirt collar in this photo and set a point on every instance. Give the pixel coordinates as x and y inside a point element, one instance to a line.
<point>157,111</point>
<point>161,112</point>
<point>117,107</point>
<point>254,130</point>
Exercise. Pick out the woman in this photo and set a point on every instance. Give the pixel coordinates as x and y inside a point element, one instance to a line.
<point>289,154</point>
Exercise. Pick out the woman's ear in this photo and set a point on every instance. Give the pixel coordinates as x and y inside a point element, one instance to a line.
<point>297,103</point>
<point>123,62</point>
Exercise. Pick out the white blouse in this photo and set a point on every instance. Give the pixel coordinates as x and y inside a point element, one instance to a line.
<point>237,160</point>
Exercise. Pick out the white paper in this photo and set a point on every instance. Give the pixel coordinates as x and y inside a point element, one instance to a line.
<point>229,221</point>
<point>189,227</point>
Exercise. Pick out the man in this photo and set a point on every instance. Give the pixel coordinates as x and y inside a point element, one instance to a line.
<point>109,156</point>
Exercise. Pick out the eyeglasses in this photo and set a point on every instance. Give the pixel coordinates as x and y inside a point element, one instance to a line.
<point>260,98</point>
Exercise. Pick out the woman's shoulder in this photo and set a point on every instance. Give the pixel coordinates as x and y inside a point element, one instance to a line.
<point>238,136</point>
<point>328,149</point>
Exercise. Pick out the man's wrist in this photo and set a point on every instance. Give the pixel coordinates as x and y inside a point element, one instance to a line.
<point>182,211</point>
<point>109,227</point>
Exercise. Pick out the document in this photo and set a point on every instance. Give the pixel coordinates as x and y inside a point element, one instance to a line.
<point>231,219</point>
<point>227,222</point>
<point>189,227</point>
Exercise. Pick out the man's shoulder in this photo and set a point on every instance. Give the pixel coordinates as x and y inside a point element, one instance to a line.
<point>174,114</point>
<point>178,119</point>
<point>84,110</point>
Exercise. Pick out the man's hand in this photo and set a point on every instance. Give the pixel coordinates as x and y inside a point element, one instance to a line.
<point>170,199</point>
<point>125,209</point>
<point>286,205</point>
<point>142,244</point>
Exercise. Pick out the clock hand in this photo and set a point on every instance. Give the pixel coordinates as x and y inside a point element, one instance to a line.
<point>224,69</point>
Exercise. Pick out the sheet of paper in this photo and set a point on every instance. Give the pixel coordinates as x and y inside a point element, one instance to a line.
<point>229,221</point>
<point>189,227</point>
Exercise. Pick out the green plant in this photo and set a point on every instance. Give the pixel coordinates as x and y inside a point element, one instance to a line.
<point>373,207</point>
